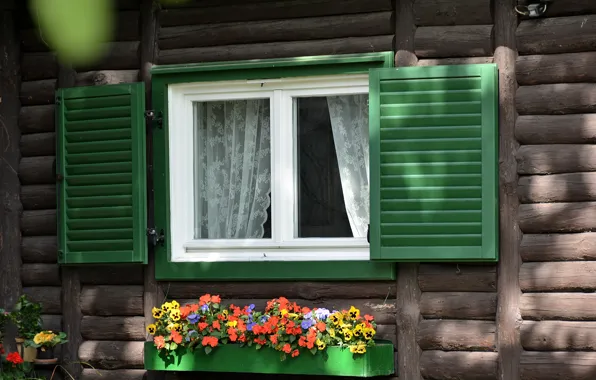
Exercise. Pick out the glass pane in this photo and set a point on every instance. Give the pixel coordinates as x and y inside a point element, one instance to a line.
<point>333,169</point>
<point>232,169</point>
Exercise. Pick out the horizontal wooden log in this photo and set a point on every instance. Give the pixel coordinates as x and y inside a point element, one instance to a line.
<point>100,78</point>
<point>111,275</point>
<point>48,296</point>
<point>570,8</point>
<point>38,144</point>
<point>458,305</point>
<point>51,322</point>
<point>108,300</point>
<point>274,10</point>
<point>456,335</point>
<point>558,247</point>
<point>119,374</point>
<point>569,187</point>
<point>440,365</point>
<point>39,249</point>
<point>557,276</point>
<point>455,61</point>
<point>558,365</point>
<point>556,129</point>
<point>112,354</point>
<point>552,159</point>
<point>557,217</point>
<point>565,306</point>
<point>382,310</point>
<point>38,66</point>
<point>38,197</point>
<point>113,328</point>
<point>301,290</point>
<point>277,50</point>
<point>387,332</point>
<point>558,336</point>
<point>454,41</point>
<point>556,99</point>
<point>457,278</point>
<point>449,12</point>
<point>38,223</point>
<point>120,55</point>
<point>40,275</point>
<point>37,92</point>
<point>557,35</point>
<point>36,119</point>
<point>555,68</point>
<point>316,28</point>
<point>37,170</point>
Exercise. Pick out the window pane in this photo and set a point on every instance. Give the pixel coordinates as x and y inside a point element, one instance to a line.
<point>333,195</point>
<point>232,169</point>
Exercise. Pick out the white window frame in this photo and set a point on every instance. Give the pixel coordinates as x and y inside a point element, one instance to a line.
<point>282,246</point>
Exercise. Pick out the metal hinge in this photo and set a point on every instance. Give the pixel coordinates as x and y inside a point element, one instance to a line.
<point>154,237</point>
<point>156,118</point>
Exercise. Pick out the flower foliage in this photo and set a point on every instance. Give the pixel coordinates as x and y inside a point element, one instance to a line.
<point>283,326</point>
<point>46,339</point>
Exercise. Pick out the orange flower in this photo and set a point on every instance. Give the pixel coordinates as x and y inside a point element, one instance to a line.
<point>215,299</point>
<point>204,299</point>
<point>273,339</point>
<point>194,307</point>
<point>321,326</point>
<point>202,326</point>
<point>232,333</point>
<point>159,342</point>
<point>305,310</point>
<point>176,337</point>
<point>369,318</point>
<point>209,341</point>
<point>287,348</point>
<point>295,353</point>
<point>184,311</point>
<point>216,325</point>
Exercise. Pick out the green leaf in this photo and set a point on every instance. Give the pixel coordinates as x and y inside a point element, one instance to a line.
<point>259,346</point>
<point>167,346</point>
<point>173,346</point>
<point>208,350</point>
<point>313,350</point>
<point>292,338</point>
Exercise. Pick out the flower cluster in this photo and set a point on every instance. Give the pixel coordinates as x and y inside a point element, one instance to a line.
<point>283,326</point>
<point>46,339</point>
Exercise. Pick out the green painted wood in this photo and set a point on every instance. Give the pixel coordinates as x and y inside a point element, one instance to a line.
<point>251,271</point>
<point>100,167</point>
<point>377,361</point>
<point>434,160</point>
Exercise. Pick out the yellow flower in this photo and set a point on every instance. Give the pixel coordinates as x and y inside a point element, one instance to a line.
<point>151,329</point>
<point>320,344</point>
<point>175,315</point>
<point>225,313</point>
<point>157,313</point>
<point>353,349</point>
<point>331,332</point>
<point>369,333</point>
<point>166,307</point>
<point>354,313</point>
<point>232,323</point>
<point>336,318</point>
<point>361,349</point>
<point>175,327</point>
<point>347,335</point>
<point>358,330</point>
<point>284,312</point>
<point>175,305</point>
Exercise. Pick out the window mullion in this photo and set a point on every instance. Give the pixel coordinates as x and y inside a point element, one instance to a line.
<point>286,185</point>
<point>277,199</point>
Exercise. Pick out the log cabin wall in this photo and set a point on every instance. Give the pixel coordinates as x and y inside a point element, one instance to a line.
<point>556,163</point>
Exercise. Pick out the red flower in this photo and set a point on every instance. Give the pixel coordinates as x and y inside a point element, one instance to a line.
<point>159,341</point>
<point>202,326</point>
<point>369,318</point>
<point>232,334</point>
<point>321,326</point>
<point>215,299</point>
<point>204,299</point>
<point>194,307</point>
<point>287,348</point>
<point>305,310</point>
<point>14,358</point>
<point>209,341</point>
<point>176,337</point>
<point>273,339</point>
<point>261,341</point>
<point>216,325</point>
<point>295,353</point>
<point>184,311</point>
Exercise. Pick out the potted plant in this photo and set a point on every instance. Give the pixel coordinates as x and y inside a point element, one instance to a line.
<point>45,342</point>
<point>13,367</point>
<point>26,316</point>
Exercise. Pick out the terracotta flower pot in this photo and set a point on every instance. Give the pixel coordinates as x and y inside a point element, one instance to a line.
<point>27,353</point>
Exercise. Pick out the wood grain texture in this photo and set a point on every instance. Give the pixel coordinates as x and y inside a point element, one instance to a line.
<point>38,223</point>
<point>556,129</point>
<point>111,275</point>
<point>113,328</point>
<point>40,274</point>
<point>458,305</point>
<point>277,50</point>
<point>558,365</point>
<point>440,365</point>
<point>36,119</point>
<point>38,66</point>
<point>112,354</point>
<point>555,68</point>
<point>448,335</point>
<point>118,374</point>
<point>558,247</point>
<point>38,144</point>
<point>557,35</point>
<point>455,61</point>
<point>569,187</point>
<point>556,158</point>
<point>37,170</point>
<point>449,12</point>
<point>558,336</point>
<point>39,249</point>
<point>556,99</point>
<point>48,296</point>
<point>38,197</point>
<point>557,217</point>
<point>564,306</point>
<point>557,276</point>
<point>104,77</point>
<point>303,29</point>
<point>570,8</point>
<point>109,300</point>
<point>51,322</point>
<point>118,55</point>
<point>457,278</point>
<point>71,320</point>
<point>454,41</point>
<point>38,92</point>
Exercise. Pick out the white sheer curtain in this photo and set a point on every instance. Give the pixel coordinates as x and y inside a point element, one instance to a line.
<point>349,122</point>
<point>232,168</point>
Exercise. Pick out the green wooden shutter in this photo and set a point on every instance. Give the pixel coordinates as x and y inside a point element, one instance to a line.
<point>100,164</point>
<point>433,151</point>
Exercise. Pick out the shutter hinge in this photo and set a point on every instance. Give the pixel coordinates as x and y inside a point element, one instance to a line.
<point>368,234</point>
<point>154,237</point>
<point>154,117</point>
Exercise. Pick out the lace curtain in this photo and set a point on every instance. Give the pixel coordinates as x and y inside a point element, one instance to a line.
<point>232,169</point>
<point>349,122</point>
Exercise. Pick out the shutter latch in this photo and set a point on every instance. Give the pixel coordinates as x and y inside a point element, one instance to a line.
<point>154,237</point>
<point>368,234</point>
<point>154,117</point>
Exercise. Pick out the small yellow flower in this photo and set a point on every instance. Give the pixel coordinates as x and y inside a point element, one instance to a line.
<point>157,313</point>
<point>353,349</point>
<point>354,313</point>
<point>369,333</point>
<point>175,305</point>
<point>320,344</point>
<point>284,312</point>
<point>225,313</point>
<point>331,332</point>
<point>175,327</point>
<point>151,329</point>
<point>361,349</point>
<point>166,307</point>
<point>232,323</point>
<point>358,330</point>
<point>347,335</point>
<point>175,315</point>
<point>336,318</point>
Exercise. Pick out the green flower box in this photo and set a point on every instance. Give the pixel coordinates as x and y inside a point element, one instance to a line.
<point>377,361</point>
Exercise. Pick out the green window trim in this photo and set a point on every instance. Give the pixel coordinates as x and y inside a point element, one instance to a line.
<point>246,70</point>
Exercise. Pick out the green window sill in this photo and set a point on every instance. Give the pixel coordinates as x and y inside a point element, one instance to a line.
<point>377,361</point>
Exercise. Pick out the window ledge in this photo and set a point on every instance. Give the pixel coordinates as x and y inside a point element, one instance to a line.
<point>377,361</point>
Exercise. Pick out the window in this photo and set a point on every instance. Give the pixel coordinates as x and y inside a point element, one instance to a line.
<point>270,170</point>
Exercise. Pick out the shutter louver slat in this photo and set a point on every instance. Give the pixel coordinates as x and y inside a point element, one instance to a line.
<point>433,163</point>
<point>102,194</point>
